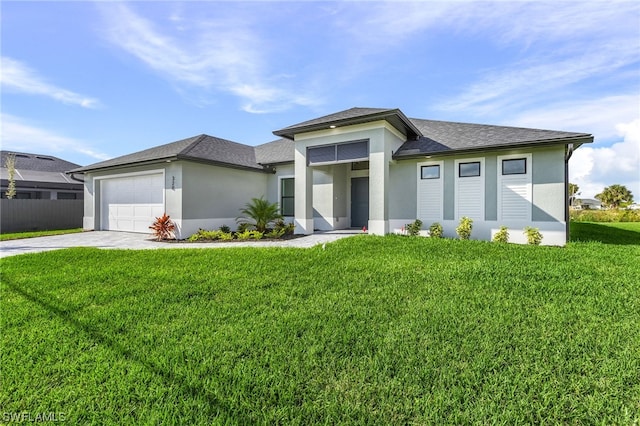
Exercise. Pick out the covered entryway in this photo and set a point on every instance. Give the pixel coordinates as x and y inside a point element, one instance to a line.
<point>131,203</point>
<point>359,202</point>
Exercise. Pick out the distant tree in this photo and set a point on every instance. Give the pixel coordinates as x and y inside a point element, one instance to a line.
<point>573,191</point>
<point>10,164</point>
<point>615,195</point>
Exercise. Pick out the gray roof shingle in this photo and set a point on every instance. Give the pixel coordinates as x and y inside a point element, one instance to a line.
<point>39,162</point>
<point>353,116</point>
<point>424,137</point>
<point>276,152</point>
<point>441,137</point>
<point>197,148</point>
<point>38,168</point>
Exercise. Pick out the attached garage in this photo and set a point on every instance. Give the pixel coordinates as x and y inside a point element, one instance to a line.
<point>131,203</point>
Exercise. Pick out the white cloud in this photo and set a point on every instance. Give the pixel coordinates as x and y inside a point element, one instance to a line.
<point>593,168</point>
<point>19,77</point>
<point>599,116</point>
<point>23,137</point>
<point>222,54</point>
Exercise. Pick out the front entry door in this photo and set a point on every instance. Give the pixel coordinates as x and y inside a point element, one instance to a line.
<point>359,202</point>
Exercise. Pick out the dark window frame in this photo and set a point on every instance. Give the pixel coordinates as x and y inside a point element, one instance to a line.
<point>428,166</point>
<point>460,175</point>
<point>338,153</point>
<point>287,197</point>
<point>524,159</point>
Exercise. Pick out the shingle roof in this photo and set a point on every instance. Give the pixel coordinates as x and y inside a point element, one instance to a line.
<point>39,162</point>
<point>350,117</point>
<point>278,151</point>
<point>424,137</point>
<point>37,168</point>
<point>441,137</point>
<point>198,148</point>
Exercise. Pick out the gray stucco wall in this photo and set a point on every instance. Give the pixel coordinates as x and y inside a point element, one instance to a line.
<point>218,192</point>
<point>402,189</point>
<point>548,185</point>
<point>547,180</point>
<point>273,181</point>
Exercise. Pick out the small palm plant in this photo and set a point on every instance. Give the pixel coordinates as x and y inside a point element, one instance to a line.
<point>259,213</point>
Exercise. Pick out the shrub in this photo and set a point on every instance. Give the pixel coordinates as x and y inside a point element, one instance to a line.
<point>464,228</point>
<point>287,227</point>
<point>414,228</point>
<point>224,228</point>
<point>502,236</point>
<point>275,233</point>
<point>203,235</point>
<point>163,228</point>
<point>260,213</point>
<point>605,215</point>
<point>534,236</point>
<point>249,235</point>
<point>242,227</point>
<point>225,236</point>
<point>435,230</point>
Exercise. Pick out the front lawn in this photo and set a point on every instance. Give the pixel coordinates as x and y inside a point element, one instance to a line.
<point>370,330</point>
<point>34,234</point>
<point>606,232</point>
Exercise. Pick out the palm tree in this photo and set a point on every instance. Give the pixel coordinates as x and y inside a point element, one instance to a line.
<point>260,213</point>
<point>615,195</point>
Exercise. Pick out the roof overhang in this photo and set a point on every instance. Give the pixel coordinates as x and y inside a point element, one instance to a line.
<point>395,117</point>
<point>83,170</point>
<point>575,141</point>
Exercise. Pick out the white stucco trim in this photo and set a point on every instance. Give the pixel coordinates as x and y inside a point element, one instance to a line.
<point>428,185</point>
<point>520,184</point>
<point>348,129</point>
<point>130,174</point>
<point>468,186</point>
<point>378,227</point>
<point>303,226</point>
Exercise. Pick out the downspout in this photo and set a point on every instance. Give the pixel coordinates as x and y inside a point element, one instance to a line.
<point>569,152</point>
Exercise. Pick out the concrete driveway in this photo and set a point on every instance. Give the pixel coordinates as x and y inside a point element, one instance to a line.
<point>129,240</point>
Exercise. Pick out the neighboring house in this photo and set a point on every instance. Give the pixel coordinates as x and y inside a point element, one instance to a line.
<point>363,167</point>
<point>587,204</point>
<point>41,177</point>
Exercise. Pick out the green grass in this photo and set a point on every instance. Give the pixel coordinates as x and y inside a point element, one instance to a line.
<point>607,233</point>
<point>372,330</point>
<point>33,234</point>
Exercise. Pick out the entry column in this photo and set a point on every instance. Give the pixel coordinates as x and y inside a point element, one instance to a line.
<point>303,203</point>
<point>378,186</point>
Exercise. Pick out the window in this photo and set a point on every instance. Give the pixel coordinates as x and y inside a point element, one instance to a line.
<point>469,169</point>
<point>321,154</point>
<point>339,153</point>
<point>67,196</point>
<point>353,151</point>
<point>430,172</point>
<point>360,165</point>
<point>287,192</point>
<point>517,166</point>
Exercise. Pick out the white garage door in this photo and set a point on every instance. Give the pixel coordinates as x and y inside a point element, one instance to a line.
<point>131,203</point>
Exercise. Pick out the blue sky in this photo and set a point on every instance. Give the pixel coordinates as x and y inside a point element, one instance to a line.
<point>87,81</point>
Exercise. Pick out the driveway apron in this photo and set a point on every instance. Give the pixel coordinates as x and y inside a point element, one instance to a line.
<point>133,241</point>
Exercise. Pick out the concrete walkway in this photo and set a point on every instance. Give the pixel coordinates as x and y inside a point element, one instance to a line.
<point>129,240</point>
